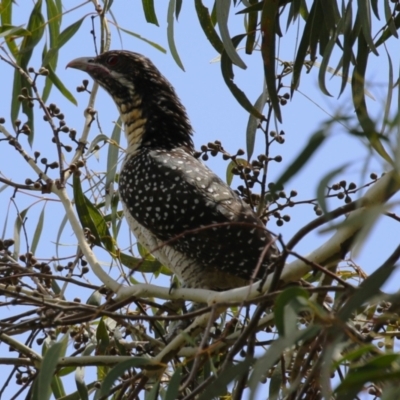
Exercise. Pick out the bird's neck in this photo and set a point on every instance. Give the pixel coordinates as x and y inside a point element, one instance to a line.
<point>157,123</point>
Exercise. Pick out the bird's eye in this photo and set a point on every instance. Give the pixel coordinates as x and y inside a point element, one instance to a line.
<point>112,61</point>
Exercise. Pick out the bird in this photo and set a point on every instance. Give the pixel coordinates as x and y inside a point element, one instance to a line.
<point>178,209</point>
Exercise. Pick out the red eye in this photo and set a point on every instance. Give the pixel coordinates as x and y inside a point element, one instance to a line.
<point>112,61</point>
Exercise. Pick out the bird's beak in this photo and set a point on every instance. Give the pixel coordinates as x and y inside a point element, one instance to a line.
<point>82,63</point>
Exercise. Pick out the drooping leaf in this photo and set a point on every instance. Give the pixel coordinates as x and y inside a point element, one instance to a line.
<point>303,49</point>
<point>253,123</point>
<point>357,84</point>
<point>118,370</point>
<point>149,11</point>
<point>36,26</point>
<point>112,160</point>
<point>170,34</point>
<point>208,27</point>
<point>6,20</point>
<point>365,16</point>
<point>137,36</point>
<point>60,86</point>
<point>227,74</point>
<point>173,385</point>
<point>42,385</point>
<point>38,231</point>
<point>368,289</point>
<point>102,337</point>
<point>17,232</point>
<point>311,147</point>
<point>91,218</point>
<point>143,265</point>
<point>80,383</point>
<point>387,33</point>
<point>218,387</point>
<point>231,165</point>
<point>322,186</point>
<point>284,300</point>
<point>269,29</point>
<point>251,30</point>
<point>274,352</point>
<point>223,7</point>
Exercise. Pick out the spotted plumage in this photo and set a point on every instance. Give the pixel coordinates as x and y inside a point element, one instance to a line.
<point>178,208</point>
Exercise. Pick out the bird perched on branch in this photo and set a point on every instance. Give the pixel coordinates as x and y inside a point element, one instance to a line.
<point>178,209</point>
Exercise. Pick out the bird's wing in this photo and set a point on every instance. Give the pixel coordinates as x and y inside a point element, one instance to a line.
<point>221,229</point>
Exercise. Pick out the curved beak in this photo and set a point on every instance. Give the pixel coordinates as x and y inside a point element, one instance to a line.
<point>82,63</point>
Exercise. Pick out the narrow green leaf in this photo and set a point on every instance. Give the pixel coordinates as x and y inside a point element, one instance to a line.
<point>294,12</point>
<point>36,26</point>
<point>178,8</point>
<point>368,289</point>
<point>275,351</point>
<point>170,34</point>
<point>138,264</point>
<point>218,387</point>
<point>149,11</point>
<point>268,29</point>
<point>57,387</point>
<point>16,91</point>
<point>60,86</point>
<point>253,8</point>
<point>42,385</point>
<point>103,339</point>
<point>281,303</point>
<point>95,299</point>
<point>173,386</point>
<point>253,124</point>
<point>137,36</point>
<point>275,383</point>
<point>53,22</point>
<point>311,147</point>
<point>387,33</point>
<point>321,190</point>
<point>347,45</point>
<point>99,138</point>
<point>17,232</point>
<point>357,84</point>
<point>9,30</point>
<point>38,231</point>
<point>50,57</point>
<point>389,19</point>
<point>80,383</point>
<point>303,49</point>
<point>389,96</point>
<point>76,395</point>
<point>375,9</point>
<point>59,233</point>
<point>69,32</point>
<point>118,370</point>
<point>222,7</point>
<point>365,16</point>
<point>6,19</point>
<point>112,159</point>
<point>208,26</point>
<point>228,75</point>
<point>231,165</point>
<point>91,218</point>
<point>100,226</point>
<point>251,30</point>
<point>326,57</point>
<point>379,369</point>
<point>153,393</point>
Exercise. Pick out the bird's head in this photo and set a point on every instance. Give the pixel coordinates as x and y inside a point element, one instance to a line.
<point>144,97</point>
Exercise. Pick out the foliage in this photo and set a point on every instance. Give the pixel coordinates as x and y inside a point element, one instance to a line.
<point>317,327</point>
